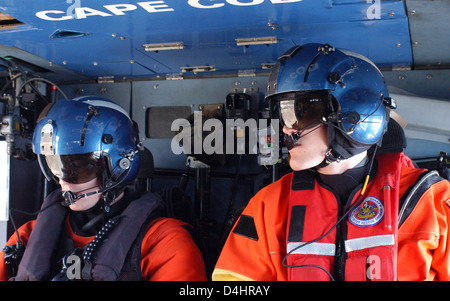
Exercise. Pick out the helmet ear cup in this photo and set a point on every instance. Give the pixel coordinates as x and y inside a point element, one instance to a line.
<point>353,117</point>
<point>341,146</point>
<point>124,163</point>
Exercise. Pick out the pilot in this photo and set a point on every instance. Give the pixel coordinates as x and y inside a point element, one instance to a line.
<point>95,227</point>
<point>347,211</point>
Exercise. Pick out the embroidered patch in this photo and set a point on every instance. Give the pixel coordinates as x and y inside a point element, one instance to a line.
<point>369,213</point>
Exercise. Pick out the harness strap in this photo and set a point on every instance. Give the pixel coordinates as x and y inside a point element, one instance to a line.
<point>37,258</point>
<point>423,183</point>
<point>111,255</point>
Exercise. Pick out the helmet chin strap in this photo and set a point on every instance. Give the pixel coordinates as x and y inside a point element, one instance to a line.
<point>330,157</point>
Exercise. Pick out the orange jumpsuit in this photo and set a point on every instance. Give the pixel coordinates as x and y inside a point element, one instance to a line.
<point>168,251</point>
<point>423,238</point>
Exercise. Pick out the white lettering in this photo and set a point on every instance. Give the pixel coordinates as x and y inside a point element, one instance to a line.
<point>190,140</point>
<point>238,127</point>
<point>44,15</point>
<point>216,136</point>
<point>75,11</point>
<point>284,1</point>
<point>155,6</point>
<point>238,3</point>
<point>83,12</point>
<point>71,9</point>
<point>196,291</point>
<point>374,11</point>
<point>198,132</point>
<point>182,138</point>
<point>245,290</point>
<point>74,269</point>
<point>119,9</point>
<point>196,3</point>
<point>374,269</point>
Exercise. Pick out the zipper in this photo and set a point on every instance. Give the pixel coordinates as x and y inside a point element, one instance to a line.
<point>341,256</point>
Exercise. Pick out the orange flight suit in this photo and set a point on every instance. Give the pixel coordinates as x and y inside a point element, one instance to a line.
<point>423,238</point>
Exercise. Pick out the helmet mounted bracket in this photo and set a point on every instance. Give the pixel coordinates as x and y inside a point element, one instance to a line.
<point>47,147</point>
<point>92,111</point>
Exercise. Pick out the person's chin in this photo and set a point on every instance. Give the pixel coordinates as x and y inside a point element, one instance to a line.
<point>84,203</point>
<point>301,163</point>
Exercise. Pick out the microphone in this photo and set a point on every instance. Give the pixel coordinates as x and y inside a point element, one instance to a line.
<point>70,197</point>
<point>291,140</point>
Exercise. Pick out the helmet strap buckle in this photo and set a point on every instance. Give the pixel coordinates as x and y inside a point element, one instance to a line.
<point>331,158</point>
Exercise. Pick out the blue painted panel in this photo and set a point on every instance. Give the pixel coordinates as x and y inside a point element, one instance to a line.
<point>112,32</point>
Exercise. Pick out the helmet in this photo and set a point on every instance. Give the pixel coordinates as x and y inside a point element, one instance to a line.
<point>351,84</point>
<point>78,139</point>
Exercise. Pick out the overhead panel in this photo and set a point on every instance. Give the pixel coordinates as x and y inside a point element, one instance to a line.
<point>111,38</point>
<point>429,25</point>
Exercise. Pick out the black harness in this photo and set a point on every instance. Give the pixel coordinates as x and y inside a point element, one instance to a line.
<point>103,258</point>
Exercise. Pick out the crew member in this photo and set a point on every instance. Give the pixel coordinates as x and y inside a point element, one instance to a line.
<point>94,227</point>
<point>346,212</point>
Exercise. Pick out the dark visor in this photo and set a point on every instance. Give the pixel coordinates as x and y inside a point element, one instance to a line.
<point>75,169</point>
<point>300,110</point>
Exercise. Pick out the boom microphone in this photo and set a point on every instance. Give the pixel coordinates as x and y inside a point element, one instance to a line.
<point>70,197</point>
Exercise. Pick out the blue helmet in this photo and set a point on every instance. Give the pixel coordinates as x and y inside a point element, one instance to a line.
<point>357,92</point>
<point>92,132</point>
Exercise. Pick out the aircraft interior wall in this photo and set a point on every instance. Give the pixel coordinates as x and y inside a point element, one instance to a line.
<point>211,196</point>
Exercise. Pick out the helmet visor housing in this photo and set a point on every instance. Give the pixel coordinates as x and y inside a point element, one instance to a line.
<point>300,110</point>
<point>75,169</point>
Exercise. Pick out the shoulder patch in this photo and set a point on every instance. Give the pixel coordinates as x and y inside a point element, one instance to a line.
<point>246,227</point>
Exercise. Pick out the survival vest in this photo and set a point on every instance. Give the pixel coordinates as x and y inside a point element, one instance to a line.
<point>357,241</point>
<point>112,260</point>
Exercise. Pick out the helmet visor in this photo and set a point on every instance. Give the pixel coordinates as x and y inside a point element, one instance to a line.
<point>299,111</point>
<point>75,169</point>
